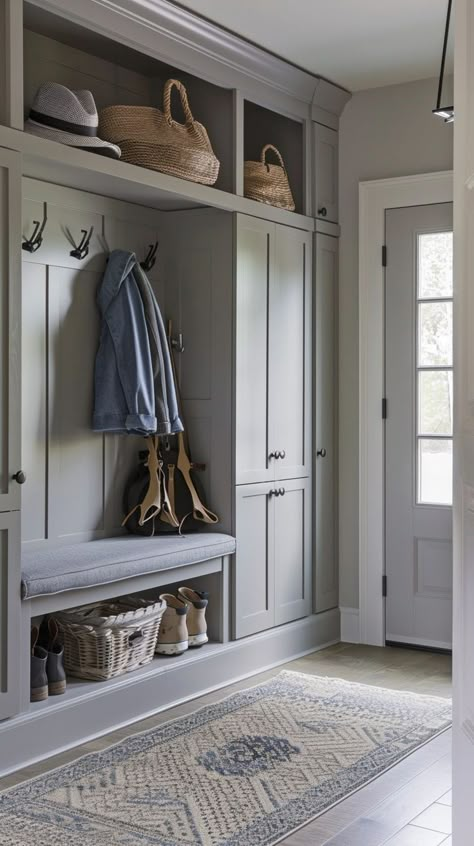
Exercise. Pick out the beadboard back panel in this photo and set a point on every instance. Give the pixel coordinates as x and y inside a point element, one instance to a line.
<point>76,477</point>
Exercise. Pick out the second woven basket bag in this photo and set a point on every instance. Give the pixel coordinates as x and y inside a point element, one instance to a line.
<point>151,138</point>
<point>268,183</point>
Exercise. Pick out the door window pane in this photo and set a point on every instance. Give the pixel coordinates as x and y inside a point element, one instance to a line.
<point>435,265</point>
<point>435,472</point>
<point>435,334</point>
<point>435,402</point>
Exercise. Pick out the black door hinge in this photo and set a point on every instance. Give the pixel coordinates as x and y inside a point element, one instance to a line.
<point>384,585</point>
<point>384,256</point>
<point>384,408</point>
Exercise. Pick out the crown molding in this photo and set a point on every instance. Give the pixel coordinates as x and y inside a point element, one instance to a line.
<point>178,37</point>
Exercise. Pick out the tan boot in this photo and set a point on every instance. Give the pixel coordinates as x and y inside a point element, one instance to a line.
<point>173,632</point>
<point>196,621</point>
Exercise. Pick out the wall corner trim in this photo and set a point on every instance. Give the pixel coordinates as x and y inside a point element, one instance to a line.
<point>350,626</point>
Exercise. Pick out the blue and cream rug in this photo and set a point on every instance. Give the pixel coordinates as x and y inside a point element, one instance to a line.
<point>243,772</point>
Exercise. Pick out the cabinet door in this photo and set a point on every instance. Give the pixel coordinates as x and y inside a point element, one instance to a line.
<point>10,308</point>
<point>290,354</point>
<point>254,578</point>
<point>326,582</point>
<point>292,550</point>
<point>254,268</point>
<point>325,173</point>
<point>10,649</point>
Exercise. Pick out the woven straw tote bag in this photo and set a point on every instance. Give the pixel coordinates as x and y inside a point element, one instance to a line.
<point>151,138</point>
<point>268,183</point>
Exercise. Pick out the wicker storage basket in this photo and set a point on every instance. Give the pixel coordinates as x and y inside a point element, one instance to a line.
<point>268,183</point>
<point>151,138</point>
<point>110,638</point>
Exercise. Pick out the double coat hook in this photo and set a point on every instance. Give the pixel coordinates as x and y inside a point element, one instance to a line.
<point>82,250</point>
<point>34,243</point>
<point>150,257</point>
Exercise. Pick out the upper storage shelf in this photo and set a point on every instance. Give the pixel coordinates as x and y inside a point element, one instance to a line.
<point>123,53</point>
<point>263,126</point>
<point>57,50</point>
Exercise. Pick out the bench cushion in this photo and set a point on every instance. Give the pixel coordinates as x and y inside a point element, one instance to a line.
<point>113,559</point>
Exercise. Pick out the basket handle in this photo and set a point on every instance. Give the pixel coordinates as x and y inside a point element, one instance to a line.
<point>137,635</point>
<point>277,154</point>
<point>169,85</point>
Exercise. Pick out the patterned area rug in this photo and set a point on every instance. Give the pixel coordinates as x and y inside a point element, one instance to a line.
<point>243,772</point>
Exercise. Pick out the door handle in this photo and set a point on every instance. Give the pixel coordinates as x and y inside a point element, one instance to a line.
<point>281,491</point>
<point>19,477</point>
<point>275,492</point>
<point>278,453</point>
<point>323,211</point>
<point>321,453</point>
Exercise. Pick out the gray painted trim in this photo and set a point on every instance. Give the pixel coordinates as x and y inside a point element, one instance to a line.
<point>175,35</point>
<point>62,165</point>
<point>53,726</point>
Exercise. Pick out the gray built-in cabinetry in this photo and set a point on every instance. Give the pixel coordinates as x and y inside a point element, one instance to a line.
<point>252,290</point>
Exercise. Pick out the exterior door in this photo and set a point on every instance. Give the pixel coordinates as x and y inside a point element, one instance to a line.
<point>419,425</point>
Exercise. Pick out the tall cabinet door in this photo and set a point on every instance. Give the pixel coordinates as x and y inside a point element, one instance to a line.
<point>325,193</point>
<point>254,574</point>
<point>10,310</point>
<point>254,269</point>
<point>290,353</point>
<point>292,550</point>
<point>10,649</point>
<point>325,538</point>
<point>10,316</point>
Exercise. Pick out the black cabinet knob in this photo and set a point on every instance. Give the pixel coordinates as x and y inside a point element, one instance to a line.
<point>323,212</point>
<point>282,453</point>
<point>281,491</point>
<point>20,477</point>
<point>322,453</point>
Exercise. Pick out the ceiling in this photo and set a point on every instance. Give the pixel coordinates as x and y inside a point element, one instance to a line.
<point>356,43</point>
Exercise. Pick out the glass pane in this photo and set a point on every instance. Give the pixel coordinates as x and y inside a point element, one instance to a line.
<point>435,334</point>
<point>435,402</point>
<point>435,472</point>
<point>435,265</point>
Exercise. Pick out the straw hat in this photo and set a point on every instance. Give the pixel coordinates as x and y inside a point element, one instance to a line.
<point>69,117</point>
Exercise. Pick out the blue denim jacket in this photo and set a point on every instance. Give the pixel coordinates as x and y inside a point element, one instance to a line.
<point>134,385</point>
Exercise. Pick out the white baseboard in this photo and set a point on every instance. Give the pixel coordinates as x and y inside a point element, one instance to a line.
<point>350,628</point>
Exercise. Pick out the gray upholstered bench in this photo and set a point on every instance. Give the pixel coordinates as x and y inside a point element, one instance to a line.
<point>64,576</point>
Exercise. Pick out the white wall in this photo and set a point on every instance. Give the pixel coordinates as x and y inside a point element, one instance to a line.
<point>384,132</point>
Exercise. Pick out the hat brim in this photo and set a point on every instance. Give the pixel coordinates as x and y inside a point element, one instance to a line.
<point>84,142</point>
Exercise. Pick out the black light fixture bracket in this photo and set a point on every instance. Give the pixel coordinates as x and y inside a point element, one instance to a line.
<point>446,112</point>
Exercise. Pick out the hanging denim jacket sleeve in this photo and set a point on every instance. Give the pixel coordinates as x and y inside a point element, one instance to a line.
<point>166,403</point>
<point>124,389</point>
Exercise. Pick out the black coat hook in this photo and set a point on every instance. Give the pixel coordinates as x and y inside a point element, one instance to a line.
<point>82,250</point>
<point>150,257</point>
<point>34,243</point>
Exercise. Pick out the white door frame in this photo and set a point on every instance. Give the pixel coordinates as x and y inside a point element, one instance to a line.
<point>374,198</point>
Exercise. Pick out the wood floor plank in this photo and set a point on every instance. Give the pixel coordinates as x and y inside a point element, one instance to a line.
<point>437,817</point>
<point>411,836</point>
